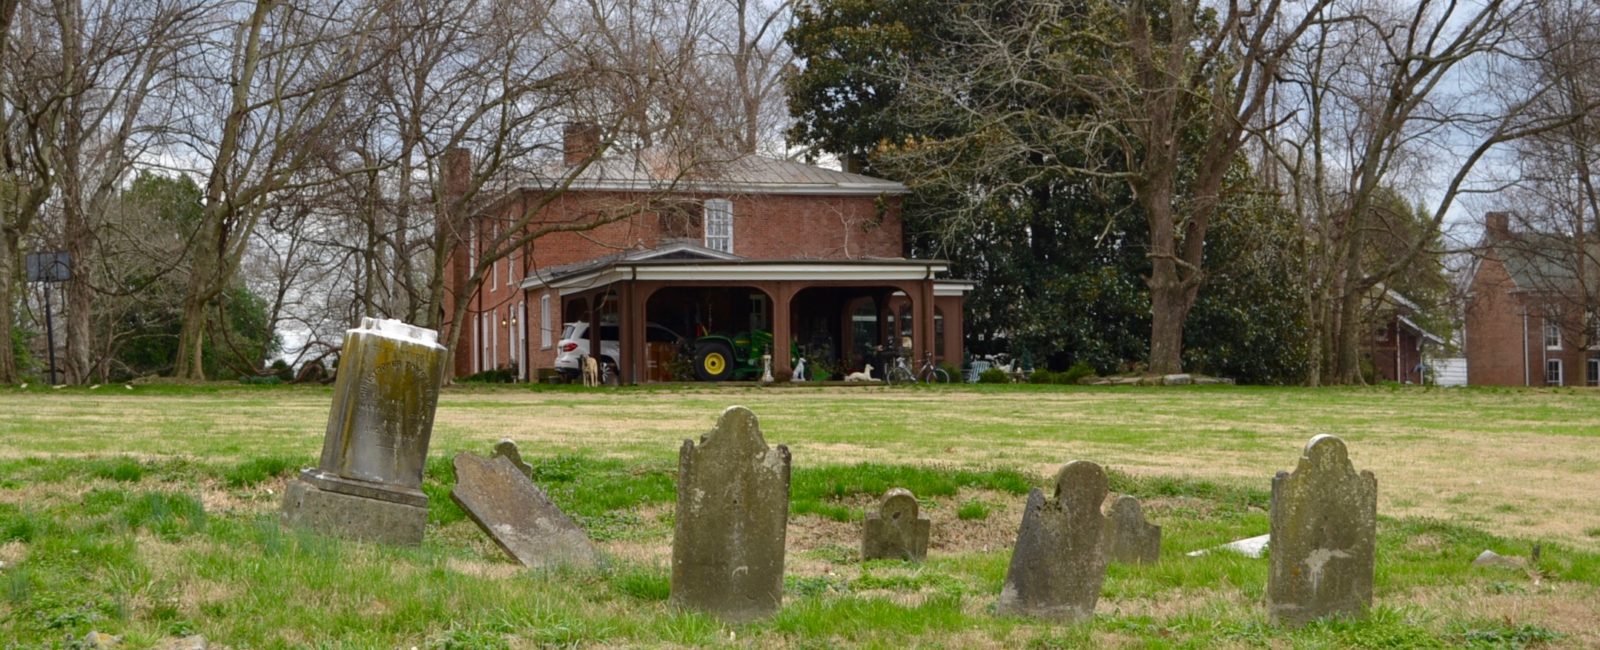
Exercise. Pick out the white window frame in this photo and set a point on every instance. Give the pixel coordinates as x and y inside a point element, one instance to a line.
<point>521,317</point>
<point>483,345</point>
<point>546,334</point>
<point>1552,329</point>
<point>717,218</point>
<point>1555,364</point>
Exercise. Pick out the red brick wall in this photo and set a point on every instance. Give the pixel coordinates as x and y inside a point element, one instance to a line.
<point>1494,331</point>
<point>765,227</point>
<point>1504,348</point>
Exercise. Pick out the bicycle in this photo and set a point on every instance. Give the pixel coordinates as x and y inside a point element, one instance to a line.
<point>931,372</point>
<point>900,372</point>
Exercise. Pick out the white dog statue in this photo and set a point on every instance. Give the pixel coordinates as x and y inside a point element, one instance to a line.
<point>800,369</point>
<point>864,375</point>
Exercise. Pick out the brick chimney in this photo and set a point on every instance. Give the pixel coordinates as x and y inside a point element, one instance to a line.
<point>1497,225</point>
<point>580,141</point>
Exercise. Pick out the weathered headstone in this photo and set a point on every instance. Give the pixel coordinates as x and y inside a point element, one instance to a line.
<point>895,531</point>
<point>368,482</point>
<point>1324,527</point>
<point>733,510</point>
<point>518,515</point>
<point>1060,561</point>
<point>508,450</point>
<point>1129,538</point>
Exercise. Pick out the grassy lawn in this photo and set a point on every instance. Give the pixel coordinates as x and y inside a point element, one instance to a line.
<point>151,513</point>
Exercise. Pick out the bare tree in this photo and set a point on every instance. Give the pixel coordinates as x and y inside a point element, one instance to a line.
<point>114,55</point>
<point>286,68</point>
<point>31,101</point>
<point>1381,97</point>
<point>1553,187</point>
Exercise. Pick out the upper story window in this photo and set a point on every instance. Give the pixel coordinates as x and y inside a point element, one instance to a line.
<point>1552,333</point>
<point>719,225</point>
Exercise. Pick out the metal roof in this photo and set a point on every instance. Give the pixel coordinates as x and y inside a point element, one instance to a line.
<point>686,261</point>
<point>749,174</point>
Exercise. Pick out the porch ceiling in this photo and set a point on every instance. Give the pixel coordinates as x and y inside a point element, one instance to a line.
<point>740,270</point>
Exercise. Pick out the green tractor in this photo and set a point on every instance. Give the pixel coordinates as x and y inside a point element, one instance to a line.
<point>718,357</point>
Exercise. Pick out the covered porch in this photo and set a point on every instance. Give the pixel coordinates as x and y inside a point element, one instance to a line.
<point>727,313</point>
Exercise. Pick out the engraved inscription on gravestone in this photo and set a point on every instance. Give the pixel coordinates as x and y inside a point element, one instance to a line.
<point>367,484</point>
<point>1324,529</point>
<point>1059,562</point>
<point>1129,538</point>
<point>732,514</point>
<point>896,531</point>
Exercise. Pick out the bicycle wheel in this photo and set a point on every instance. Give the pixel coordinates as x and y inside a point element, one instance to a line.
<point>899,375</point>
<point>935,376</point>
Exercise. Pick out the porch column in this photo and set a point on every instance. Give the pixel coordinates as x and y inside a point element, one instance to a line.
<point>925,325</point>
<point>594,327</point>
<point>631,321</point>
<point>781,363</point>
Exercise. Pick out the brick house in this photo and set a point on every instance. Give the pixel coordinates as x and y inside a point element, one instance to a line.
<point>1398,345</point>
<point>1527,323</point>
<point>811,256</point>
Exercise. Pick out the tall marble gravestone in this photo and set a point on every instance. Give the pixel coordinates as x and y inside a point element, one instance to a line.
<point>368,482</point>
<point>1129,538</point>
<point>1060,560</point>
<point>1324,529</point>
<point>895,531</point>
<point>732,517</point>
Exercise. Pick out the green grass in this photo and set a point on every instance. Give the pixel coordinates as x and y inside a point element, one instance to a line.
<point>151,514</point>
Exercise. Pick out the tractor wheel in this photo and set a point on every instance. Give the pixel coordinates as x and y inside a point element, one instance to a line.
<point>713,361</point>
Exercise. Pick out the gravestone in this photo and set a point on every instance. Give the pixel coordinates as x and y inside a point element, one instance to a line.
<point>733,509</point>
<point>367,485</point>
<point>1129,538</point>
<point>517,515</point>
<point>508,450</point>
<point>1324,525</point>
<point>1060,560</point>
<point>895,531</point>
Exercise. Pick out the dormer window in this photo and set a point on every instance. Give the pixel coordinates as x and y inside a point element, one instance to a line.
<point>719,225</point>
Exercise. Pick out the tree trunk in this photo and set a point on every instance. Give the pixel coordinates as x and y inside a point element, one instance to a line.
<point>1167,313</point>
<point>9,372</point>
<point>80,295</point>
<point>191,337</point>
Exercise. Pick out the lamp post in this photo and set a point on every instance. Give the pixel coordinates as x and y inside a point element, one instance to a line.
<point>49,268</point>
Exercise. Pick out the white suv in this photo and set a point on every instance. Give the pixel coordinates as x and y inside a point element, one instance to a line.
<point>574,346</point>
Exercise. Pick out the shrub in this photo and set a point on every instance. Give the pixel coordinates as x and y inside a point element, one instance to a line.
<point>1042,376</point>
<point>497,376</point>
<point>1078,371</point>
<point>994,376</point>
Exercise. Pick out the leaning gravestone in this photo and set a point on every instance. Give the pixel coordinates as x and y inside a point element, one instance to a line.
<point>507,449</point>
<point>895,531</point>
<point>518,515</point>
<point>1129,538</point>
<point>1324,525</point>
<point>1060,561</point>
<point>368,482</point>
<point>733,509</point>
